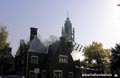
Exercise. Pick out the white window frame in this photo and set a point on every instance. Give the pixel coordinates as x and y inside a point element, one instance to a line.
<point>32,61</point>
<point>57,74</point>
<point>70,74</point>
<point>63,59</point>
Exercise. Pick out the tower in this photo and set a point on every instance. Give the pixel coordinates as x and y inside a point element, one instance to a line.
<point>68,31</point>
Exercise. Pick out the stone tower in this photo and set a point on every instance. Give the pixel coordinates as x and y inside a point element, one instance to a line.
<point>68,31</point>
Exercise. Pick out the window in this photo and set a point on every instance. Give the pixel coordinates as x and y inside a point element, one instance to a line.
<point>31,74</point>
<point>63,59</point>
<point>34,59</point>
<point>44,74</point>
<point>57,73</point>
<point>70,75</point>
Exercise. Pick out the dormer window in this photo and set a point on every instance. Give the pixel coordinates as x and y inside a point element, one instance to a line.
<point>34,59</point>
<point>63,59</point>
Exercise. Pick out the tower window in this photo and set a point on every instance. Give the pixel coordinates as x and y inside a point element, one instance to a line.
<point>34,59</point>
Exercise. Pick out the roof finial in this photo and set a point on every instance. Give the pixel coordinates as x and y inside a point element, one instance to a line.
<point>67,14</point>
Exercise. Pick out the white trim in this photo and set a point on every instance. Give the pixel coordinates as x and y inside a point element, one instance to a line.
<point>57,70</point>
<point>63,55</point>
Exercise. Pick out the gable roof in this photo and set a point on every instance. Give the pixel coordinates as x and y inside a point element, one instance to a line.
<point>21,48</point>
<point>37,46</point>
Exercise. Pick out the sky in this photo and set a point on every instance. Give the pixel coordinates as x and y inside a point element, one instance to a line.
<point>93,20</point>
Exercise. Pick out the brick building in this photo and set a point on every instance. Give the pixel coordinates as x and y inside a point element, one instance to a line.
<point>36,60</point>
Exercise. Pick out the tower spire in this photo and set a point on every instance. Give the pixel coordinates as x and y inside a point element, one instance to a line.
<point>67,14</point>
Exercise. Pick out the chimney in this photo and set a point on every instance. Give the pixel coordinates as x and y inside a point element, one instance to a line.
<point>33,33</point>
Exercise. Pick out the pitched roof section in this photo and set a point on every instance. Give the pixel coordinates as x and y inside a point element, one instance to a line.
<point>37,46</point>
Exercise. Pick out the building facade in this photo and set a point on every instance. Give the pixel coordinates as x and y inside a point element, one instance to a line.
<point>36,60</point>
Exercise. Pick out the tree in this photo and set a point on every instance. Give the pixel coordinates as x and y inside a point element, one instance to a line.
<point>107,60</point>
<point>115,61</point>
<point>3,38</point>
<point>96,57</point>
<point>3,47</point>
